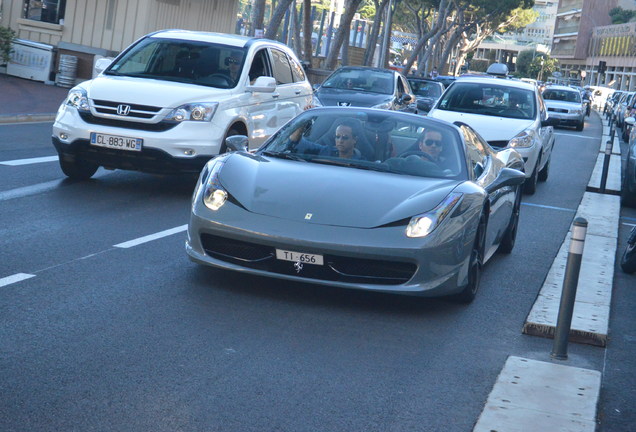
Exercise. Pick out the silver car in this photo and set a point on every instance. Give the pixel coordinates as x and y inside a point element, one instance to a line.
<point>360,198</point>
<point>565,103</point>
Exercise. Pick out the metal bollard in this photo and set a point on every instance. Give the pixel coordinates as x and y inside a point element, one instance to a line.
<point>568,295</point>
<point>606,161</point>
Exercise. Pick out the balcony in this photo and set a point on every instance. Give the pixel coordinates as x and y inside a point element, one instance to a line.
<point>568,5</point>
<point>567,27</point>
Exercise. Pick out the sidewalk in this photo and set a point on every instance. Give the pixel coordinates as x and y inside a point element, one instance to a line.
<point>25,100</point>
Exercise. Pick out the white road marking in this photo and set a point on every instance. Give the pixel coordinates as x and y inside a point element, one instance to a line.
<point>29,190</point>
<point>548,207</point>
<point>30,161</point>
<point>15,278</point>
<point>575,135</point>
<point>151,237</point>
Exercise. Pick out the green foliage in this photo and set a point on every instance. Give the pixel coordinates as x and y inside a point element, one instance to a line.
<point>523,62</point>
<point>6,37</point>
<point>536,68</point>
<point>621,16</point>
<point>479,65</point>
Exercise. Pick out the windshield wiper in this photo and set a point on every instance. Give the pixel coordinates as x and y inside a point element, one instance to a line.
<point>290,156</point>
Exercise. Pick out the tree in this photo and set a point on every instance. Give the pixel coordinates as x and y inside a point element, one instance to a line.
<point>342,34</point>
<point>538,70</point>
<point>621,16</point>
<point>523,63</point>
<point>6,38</point>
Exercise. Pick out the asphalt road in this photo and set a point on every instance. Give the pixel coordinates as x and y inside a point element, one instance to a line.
<point>102,338</point>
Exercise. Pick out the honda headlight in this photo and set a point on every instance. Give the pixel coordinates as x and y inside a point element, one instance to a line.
<point>78,99</point>
<point>523,139</point>
<point>422,225</point>
<point>383,105</point>
<point>193,112</point>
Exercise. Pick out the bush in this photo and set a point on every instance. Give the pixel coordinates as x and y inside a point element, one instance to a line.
<point>6,37</point>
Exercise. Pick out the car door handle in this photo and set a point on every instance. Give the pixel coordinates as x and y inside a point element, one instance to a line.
<point>298,91</point>
<point>275,95</point>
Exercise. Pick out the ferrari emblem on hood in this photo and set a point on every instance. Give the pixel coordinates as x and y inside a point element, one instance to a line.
<point>308,216</point>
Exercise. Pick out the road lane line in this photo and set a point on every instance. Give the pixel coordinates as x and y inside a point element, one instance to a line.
<point>151,237</point>
<point>18,277</point>
<point>575,135</point>
<point>29,190</point>
<point>549,207</point>
<point>18,162</point>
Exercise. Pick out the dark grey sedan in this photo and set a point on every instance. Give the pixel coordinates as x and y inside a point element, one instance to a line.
<point>427,92</point>
<point>360,198</point>
<point>366,87</point>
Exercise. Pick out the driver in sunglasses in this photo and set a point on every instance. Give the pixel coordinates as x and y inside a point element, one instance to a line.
<point>233,62</point>
<point>431,144</point>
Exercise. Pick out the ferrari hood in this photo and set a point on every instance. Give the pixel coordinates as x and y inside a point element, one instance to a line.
<point>165,94</point>
<point>328,195</point>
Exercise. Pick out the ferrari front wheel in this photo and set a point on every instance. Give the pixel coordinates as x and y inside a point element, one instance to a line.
<point>467,295</point>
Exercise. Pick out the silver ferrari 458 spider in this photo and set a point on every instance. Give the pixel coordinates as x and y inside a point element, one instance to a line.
<point>360,198</point>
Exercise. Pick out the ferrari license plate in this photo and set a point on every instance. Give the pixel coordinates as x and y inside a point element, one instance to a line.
<point>300,257</point>
<point>116,142</point>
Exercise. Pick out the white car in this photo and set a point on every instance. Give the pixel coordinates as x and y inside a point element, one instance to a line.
<point>508,114</point>
<point>565,104</point>
<point>167,102</point>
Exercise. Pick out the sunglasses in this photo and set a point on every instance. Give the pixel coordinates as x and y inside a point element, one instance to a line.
<point>233,61</point>
<point>344,137</point>
<point>431,142</point>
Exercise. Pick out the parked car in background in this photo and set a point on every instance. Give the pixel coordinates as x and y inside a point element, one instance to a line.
<point>421,216</point>
<point>628,187</point>
<point>612,101</point>
<point>508,114</point>
<point>601,95</point>
<point>427,91</point>
<point>565,104</point>
<point>366,87</point>
<point>625,104</point>
<point>167,102</point>
<point>446,79</point>
<point>630,111</point>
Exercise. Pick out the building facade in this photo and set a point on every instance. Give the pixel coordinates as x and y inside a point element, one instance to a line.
<point>575,21</point>
<point>90,29</point>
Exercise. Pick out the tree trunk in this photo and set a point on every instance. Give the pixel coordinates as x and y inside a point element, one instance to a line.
<point>277,18</point>
<point>258,15</point>
<point>350,8</point>
<point>307,31</point>
<point>374,33</point>
<point>438,29</point>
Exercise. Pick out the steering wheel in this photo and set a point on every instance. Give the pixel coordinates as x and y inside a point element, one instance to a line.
<point>418,153</point>
<point>228,81</point>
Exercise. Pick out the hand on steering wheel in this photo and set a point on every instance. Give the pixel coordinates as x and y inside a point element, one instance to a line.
<point>418,153</point>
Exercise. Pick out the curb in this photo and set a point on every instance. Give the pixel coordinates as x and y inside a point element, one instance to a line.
<point>27,118</point>
<point>590,321</point>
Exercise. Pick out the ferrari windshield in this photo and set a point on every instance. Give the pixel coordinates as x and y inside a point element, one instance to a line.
<point>373,140</point>
<point>184,61</point>
<point>490,99</point>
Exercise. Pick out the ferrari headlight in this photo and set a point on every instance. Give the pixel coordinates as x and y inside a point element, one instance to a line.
<point>78,99</point>
<point>210,189</point>
<point>383,105</point>
<point>193,112</point>
<point>523,139</point>
<point>214,198</point>
<point>424,224</point>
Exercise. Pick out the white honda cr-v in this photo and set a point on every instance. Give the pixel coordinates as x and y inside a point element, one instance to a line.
<point>167,102</point>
